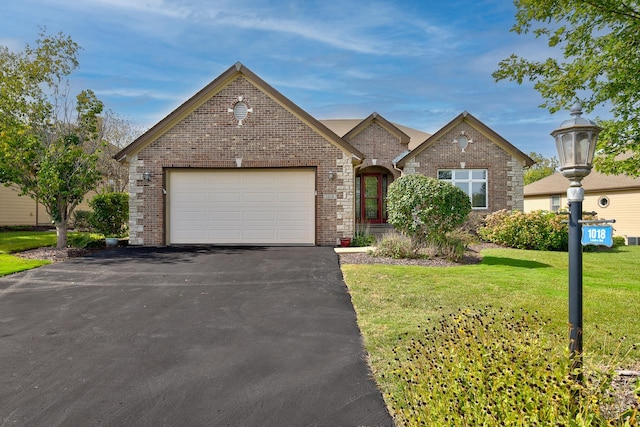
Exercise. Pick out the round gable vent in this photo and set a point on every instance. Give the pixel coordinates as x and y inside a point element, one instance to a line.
<point>240,111</point>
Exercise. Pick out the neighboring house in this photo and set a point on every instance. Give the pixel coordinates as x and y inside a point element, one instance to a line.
<point>611,196</point>
<point>23,210</point>
<point>239,163</point>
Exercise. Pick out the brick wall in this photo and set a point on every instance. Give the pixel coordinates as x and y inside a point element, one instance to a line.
<point>271,136</point>
<point>380,144</point>
<point>504,172</point>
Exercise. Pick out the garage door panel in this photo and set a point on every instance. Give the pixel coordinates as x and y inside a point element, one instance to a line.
<point>259,235</point>
<point>225,217</point>
<point>193,216</point>
<point>251,206</point>
<point>224,196</point>
<point>294,197</point>
<point>259,216</point>
<point>258,197</point>
<point>186,195</point>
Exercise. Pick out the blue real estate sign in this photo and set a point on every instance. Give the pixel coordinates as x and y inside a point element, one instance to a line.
<point>597,235</point>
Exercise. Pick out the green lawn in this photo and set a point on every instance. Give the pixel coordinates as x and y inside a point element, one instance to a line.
<point>17,241</point>
<point>393,300</point>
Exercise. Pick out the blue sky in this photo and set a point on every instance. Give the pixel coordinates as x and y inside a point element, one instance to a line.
<point>418,63</point>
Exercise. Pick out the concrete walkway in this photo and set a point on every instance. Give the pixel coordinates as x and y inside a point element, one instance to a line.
<point>185,337</point>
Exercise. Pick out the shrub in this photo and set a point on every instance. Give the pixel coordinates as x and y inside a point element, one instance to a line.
<point>362,236</point>
<point>110,213</point>
<point>492,367</point>
<point>619,241</point>
<point>425,208</point>
<point>538,230</point>
<point>85,240</point>
<point>82,220</point>
<point>452,246</point>
<point>395,245</point>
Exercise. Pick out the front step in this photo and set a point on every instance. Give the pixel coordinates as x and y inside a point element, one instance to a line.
<point>379,230</point>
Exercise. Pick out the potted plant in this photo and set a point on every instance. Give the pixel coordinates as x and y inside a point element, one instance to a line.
<point>345,242</point>
<point>110,215</point>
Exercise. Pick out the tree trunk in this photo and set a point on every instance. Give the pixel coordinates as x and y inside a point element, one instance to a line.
<point>61,233</point>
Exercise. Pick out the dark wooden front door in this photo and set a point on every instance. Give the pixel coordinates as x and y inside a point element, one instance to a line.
<point>372,197</point>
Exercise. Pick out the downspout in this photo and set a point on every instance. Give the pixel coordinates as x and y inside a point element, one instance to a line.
<point>396,168</point>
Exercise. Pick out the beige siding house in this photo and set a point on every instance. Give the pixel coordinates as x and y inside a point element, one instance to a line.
<point>611,196</point>
<point>23,210</point>
<point>239,163</point>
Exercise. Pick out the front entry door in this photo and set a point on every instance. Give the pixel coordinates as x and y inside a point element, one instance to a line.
<point>372,198</point>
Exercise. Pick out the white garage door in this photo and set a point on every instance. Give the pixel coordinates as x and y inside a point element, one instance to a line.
<point>248,206</point>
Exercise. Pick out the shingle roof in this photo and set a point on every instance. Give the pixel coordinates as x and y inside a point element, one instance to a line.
<point>595,181</point>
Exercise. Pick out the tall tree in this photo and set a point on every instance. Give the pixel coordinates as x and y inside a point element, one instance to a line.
<point>48,147</point>
<point>117,132</point>
<point>542,168</point>
<point>600,65</point>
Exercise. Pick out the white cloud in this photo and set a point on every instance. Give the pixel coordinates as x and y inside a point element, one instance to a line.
<point>136,93</point>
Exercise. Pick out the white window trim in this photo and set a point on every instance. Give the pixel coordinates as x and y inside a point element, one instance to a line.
<point>559,203</point>
<point>470,181</point>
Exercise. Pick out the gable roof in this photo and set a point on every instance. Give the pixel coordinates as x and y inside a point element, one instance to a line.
<point>478,125</point>
<point>595,181</point>
<point>213,88</point>
<point>344,126</point>
<point>375,117</point>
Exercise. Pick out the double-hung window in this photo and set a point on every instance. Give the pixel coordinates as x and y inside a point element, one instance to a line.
<point>555,204</point>
<point>471,181</point>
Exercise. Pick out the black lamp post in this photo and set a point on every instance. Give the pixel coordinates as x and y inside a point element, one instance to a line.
<point>576,143</point>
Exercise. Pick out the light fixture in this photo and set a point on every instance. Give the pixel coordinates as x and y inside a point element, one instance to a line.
<point>146,176</point>
<point>576,143</point>
<point>332,174</point>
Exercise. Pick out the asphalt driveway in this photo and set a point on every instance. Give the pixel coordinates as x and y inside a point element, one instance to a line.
<point>185,337</point>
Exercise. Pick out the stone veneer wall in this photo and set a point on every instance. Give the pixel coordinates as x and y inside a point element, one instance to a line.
<point>270,137</point>
<point>504,172</point>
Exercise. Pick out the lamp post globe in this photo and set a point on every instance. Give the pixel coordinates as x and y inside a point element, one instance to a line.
<point>576,140</point>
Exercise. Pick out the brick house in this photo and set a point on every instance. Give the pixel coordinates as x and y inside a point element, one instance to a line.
<point>239,163</point>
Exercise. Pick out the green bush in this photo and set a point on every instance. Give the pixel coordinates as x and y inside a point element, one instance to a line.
<point>619,241</point>
<point>85,240</point>
<point>81,220</point>
<point>425,208</point>
<point>538,230</point>
<point>492,367</point>
<point>395,245</point>
<point>110,213</point>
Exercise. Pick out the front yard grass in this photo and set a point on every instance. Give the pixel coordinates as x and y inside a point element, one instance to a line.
<point>394,301</point>
<point>18,241</point>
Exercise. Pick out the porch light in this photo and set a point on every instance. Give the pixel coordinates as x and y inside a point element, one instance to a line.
<point>576,143</point>
<point>146,176</point>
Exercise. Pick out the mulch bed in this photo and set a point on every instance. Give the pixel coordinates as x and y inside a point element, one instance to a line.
<point>472,256</point>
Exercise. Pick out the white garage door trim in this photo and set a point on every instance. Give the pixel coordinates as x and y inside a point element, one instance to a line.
<point>244,206</point>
